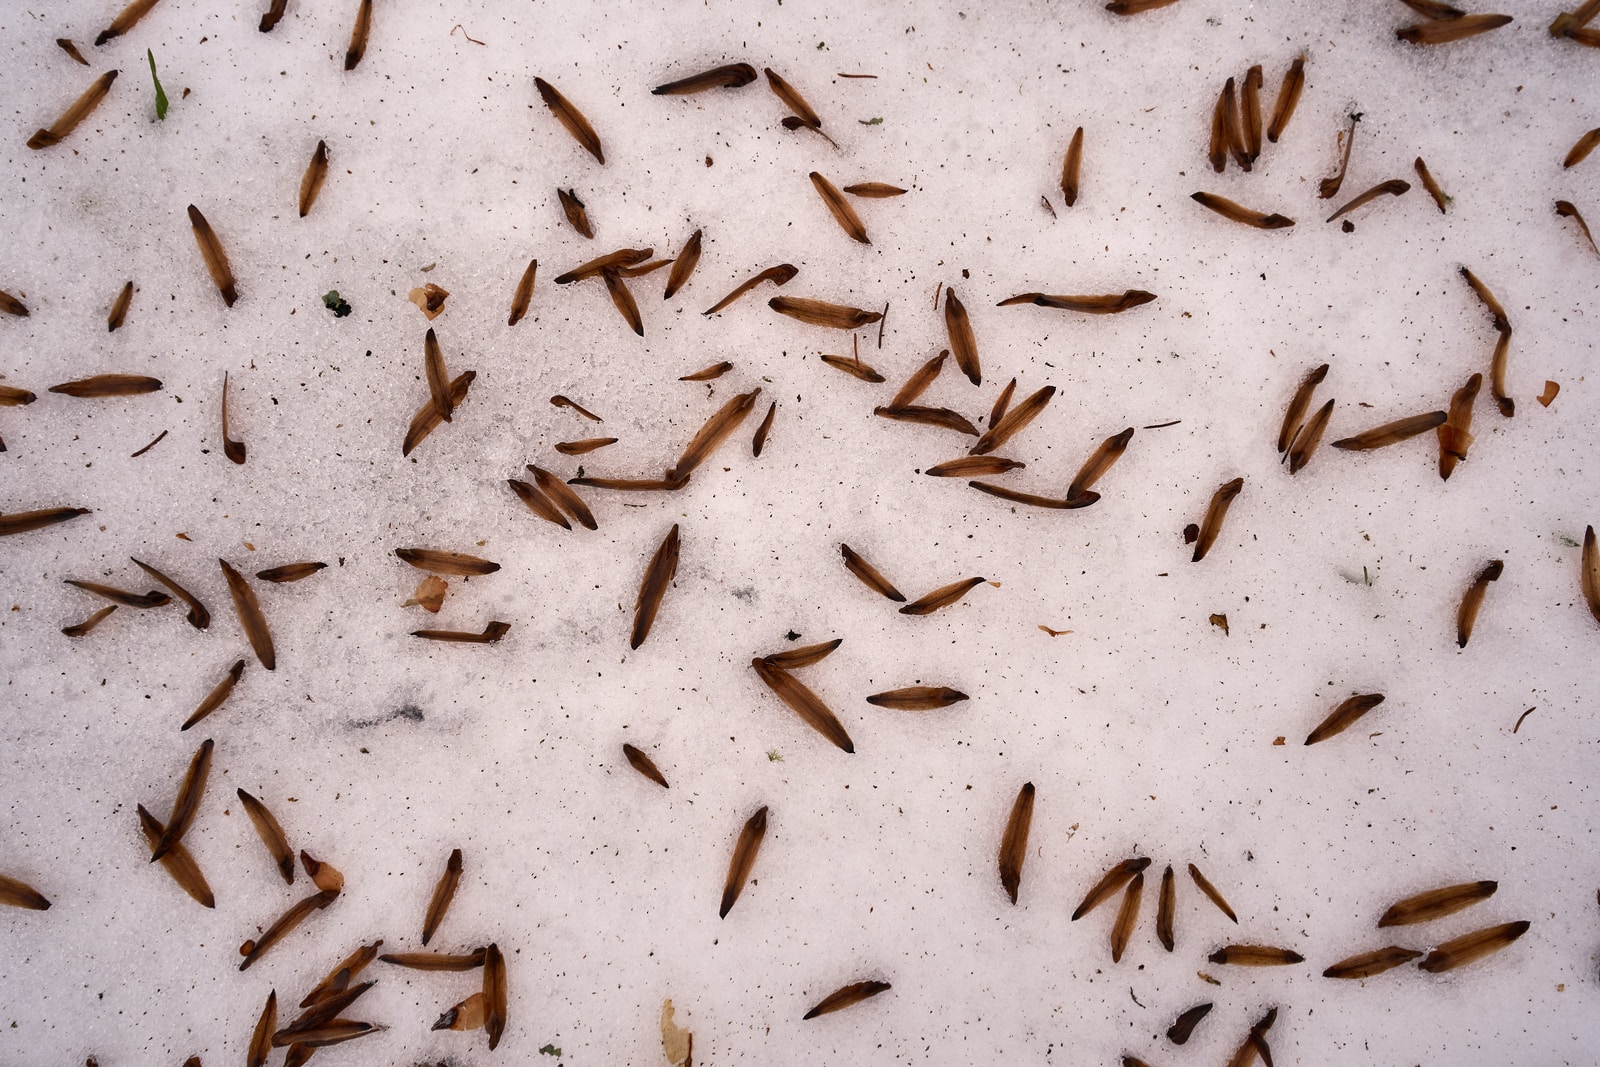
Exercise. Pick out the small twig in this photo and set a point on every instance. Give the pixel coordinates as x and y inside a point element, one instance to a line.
<point>1159,425</point>
<point>1524,715</point>
<point>882,321</point>
<point>163,433</point>
<point>937,290</point>
<point>465,34</point>
<point>844,75</point>
<point>1045,200</point>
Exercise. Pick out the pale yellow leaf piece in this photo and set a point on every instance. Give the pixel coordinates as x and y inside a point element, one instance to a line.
<point>676,1042</point>
<point>430,298</point>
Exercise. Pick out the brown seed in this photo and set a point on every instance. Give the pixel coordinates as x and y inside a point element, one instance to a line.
<point>1221,500</point>
<point>712,433</point>
<point>311,182</point>
<point>1014,841</point>
<point>1166,907</point>
<point>178,862</point>
<point>1460,951</point>
<point>840,208</point>
<point>941,597</point>
<point>538,503</point>
<point>153,599</point>
<point>1255,956</point>
<point>1392,187</point>
<point>524,294</point>
<point>1433,9</point>
<point>805,656</point>
<point>1013,421</point>
<point>563,402</point>
<point>1001,404</point>
<point>1294,416</point>
<point>782,274</point>
<point>1431,184</point>
<point>972,466</point>
<point>1442,31</point>
<point>1204,885</point>
<point>1467,613</point>
<point>1235,212</point>
<point>917,698</point>
<point>804,703</point>
<point>1099,461</point>
<point>1294,80</point>
<point>269,830</point>
<point>733,76</point>
<point>943,418</point>
<point>275,11</point>
<point>620,259</point>
<point>343,973</point>
<point>573,120</point>
<point>104,385</point>
<point>218,694</point>
<point>711,373</point>
<point>874,190</point>
<point>358,35</point>
<point>66,45</point>
<point>1497,374</point>
<point>290,572</point>
<point>1305,442</point>
<point>1217,148</point>
<point>1436,903</point>
<point>584,447</point>
<point>1250,112</point>
<point>869,575</point>
<point>577,215</point>
<point>1367,964</point>
<point>440,562</point>
<point>1034,500</point>
<point>1127,916</point>
<point>251,620</point>
<point>1255,1042</point>
<point>1392,432</point>
<point>1580,151</point>
<point>743,859</point>
<point>658,575</point>
<point>759,441</point>
<point>427,418</point>
<point>792,100</point>
<point>187,803</point>
<point>12,306</point>
<point>1114,879</point>
<point>443,893</point>
<point>853,367</point>
<point>436,961</point>
<point>1344,716</point>
<point>684,265</point>
<point>622,298</point>
<point>119,307</point>
<point>492,633</point>
<point>321,1014</point>
<point>1136,7</point>
<point>325,876</point>
<point>19,894</point>
<point>850,995</point>
<point>234,450</point>
<point>1178,1033</point>
<point>822,313</point>
<point>216,259</point>
<point>1109,304</point>
<point>261,1039</point>
<point>69,120</point>
<point>1070,166</point>
<point>1566,210</point>
<point>470,1014</point>
<point>334,1032</point>
<point>12,397</point>
<point>644,765</point>
<point>1328,188</point>
<point>669,484</point>
<point>963,343</point>
<point>1589,574</point>
<point>1232,132</point>
<point>83,628</point>
<point>563,497</point>
<point>26,521</point>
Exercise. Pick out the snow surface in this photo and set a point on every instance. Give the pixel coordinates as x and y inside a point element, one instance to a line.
<point>1146,730</point>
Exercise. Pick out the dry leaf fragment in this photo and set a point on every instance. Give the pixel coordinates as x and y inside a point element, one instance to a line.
<point>429,595</point>
<point>429,298</point>
<point>676,1042</point>
<point>1549,394</point>
<point>1221,622</point>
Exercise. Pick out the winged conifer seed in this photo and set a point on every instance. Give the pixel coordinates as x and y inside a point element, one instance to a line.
<point>1014,841</point>
<point>16,893</point>
<point>119,308</point>
<point>100,386</point>
<point>874,190</point>
<point>271,833</point>
<point>658,575</point>
<point>322,1013</point>
<point>1580,151</point>
<point>1328,188</point>
<point>1099,461</point>
<point>443,893</point>
<point>1430,183</point>
<point>943,418</point>
<point>290,572</point>
<point>1567,210</point>
<point>571,118</point>
<point>492,633</point>
<point>218,694</point>
<point>316,173</point>
<point>917,698</point>
<point>470,1014</point>
<point>1455,433</point>
<point>1166,907</point>
<point>1204,885</point>
<point>1306,441</point>
<point>1034,500</point>
<point>153,599</point>
<point>822,313</point>
<point>963,343</point>
<point>187,803</point>
<point>1469,948</point>
<point>840,208</point>
<point>215,257</point>
<point>759,441</point>
<point>1367,964</point>
<point>687,259</point>
<point>199,617</point>
<point>284,925</point>
<point>1255,956</point>
<point>743,859</point>
<point>1127,917</point>
<point>87,626</point>
<point>1392,432</point>
<point>849,996</point>
<point>792,100</point>
<point>793,659</point>
<point>1250,112</point>
<point>804,703</point>
<point>66,45</point>
<point>620,259</point>
<point>782,274</point>
<point>1232,131</point>
<point>1211,526</point>
<point>178,862</point>
<point>712,433</point>
<point>1443,31</point>
<point>427,418</point>
<point>437,961</point>
<point>1235,212</point>
<point>1344,716</point>
<point>1436,903</point>
<point>1106,304</point>
<point>12,397</point>
<point>644,765</point>
<point>437,561</point>
<point>524,293</point>
<point>670,484</point>
<point>538,503</point>
<point>1392,187</point>
<point>585,446</point>
<point>869,575</point>
<point>251,619</point>
<point>1013,421</point>
<point>1255,1043</point>
<point>732,76</point>
<point>1114,879</point>
<point>942,597</point>
<point>1467,613</point>
<point>853,367</point>
<point>973,466</point>
<point>1071,165</point>
<point>343,973</point>
<point>1294,416</point>
<point>1178,1033</point>
<point>576,213</point>
<point>1217,148</point>
<point>358,35</point>
<point>1002,403</point>
<point>563,496</point>
<point>18,522</point>
<point>57,131</point>
<point>261,1040</point>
